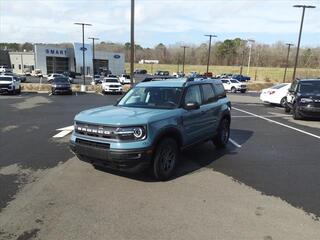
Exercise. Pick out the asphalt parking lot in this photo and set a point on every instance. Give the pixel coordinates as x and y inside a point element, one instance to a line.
<point>264,185</point>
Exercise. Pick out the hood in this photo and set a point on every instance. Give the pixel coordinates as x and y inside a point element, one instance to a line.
<point>114,115</point>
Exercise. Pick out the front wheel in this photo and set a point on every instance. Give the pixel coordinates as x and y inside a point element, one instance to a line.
<point>233,90</point>
<point>296,114</point>
<point>243,90</point>
<point>165,159</point>
<point>222,137</point>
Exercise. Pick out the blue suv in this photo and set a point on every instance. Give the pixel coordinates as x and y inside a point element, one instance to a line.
<point>151,124</point>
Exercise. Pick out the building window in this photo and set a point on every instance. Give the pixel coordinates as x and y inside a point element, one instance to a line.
<point>32,67</point>
<point>12,66</point>
<point>20,66</point>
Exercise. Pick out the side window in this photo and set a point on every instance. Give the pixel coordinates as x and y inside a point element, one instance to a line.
<point>219,89</point>
<point>193,94</point>
<point>208,93</point>
<point>224,81</point>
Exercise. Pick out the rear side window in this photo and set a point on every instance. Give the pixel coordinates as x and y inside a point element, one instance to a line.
<point>208,93</point>
<point>193,95</point>
<point>219,89</point>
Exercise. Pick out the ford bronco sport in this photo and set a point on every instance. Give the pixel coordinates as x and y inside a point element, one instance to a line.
<point>151,124</point>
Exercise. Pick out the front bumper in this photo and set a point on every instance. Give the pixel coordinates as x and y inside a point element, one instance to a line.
<point>61,90</point>
<point>113,90</point>
<point>309,111</point>
<point>133,160</point>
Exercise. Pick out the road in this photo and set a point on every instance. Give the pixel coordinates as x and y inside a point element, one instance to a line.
<point>264,185</point>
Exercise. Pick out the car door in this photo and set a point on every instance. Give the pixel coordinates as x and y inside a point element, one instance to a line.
<point>192,120</point>
<point>210,110</point>
<point>226,84</point>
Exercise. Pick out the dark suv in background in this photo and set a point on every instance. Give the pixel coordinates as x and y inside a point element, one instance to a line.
<point>303,99</point>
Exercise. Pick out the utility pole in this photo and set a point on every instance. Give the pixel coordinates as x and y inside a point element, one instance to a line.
<point>184,57</point>
<point>93,38</point>
<point>83,49</point>
<point>132,46</point>
<point>242,58</point>
<point>299,39</point>
<point>251,41</point>
<point>209,50</point>
<point>287,61</point>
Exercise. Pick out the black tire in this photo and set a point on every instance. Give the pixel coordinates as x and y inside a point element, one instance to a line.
<point>287,108</point>
<point>283,102</point>
<point>19,90</point>
<point>243,90</point>
<point>222,137</point>
<point>165,159</point>
<point>295,113</point>
<point>233,90</point>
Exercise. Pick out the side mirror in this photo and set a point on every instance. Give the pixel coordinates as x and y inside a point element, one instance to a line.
<point>191,106</point>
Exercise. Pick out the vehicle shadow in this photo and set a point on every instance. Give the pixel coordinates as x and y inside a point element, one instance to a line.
<point>192,160</point>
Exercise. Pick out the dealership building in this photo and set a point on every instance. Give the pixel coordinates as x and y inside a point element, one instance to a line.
<point>52,59</point>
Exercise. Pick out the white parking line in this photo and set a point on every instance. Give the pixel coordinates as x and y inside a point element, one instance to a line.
<point>271,116</point>
<point>234,143</point>
<point>279,123</point>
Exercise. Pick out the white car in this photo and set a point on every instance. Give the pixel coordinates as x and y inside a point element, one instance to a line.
<point>124,79</point>
<point>111,85</point>
<point>10,84</point>
<point>233,85</point>
<point>276,94</point>
<point>53,76</point>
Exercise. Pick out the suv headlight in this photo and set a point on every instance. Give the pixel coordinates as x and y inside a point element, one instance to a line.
<point>131,133</point>
<point>306,100</point>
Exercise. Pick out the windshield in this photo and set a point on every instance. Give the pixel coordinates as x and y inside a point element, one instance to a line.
<point>310,87</point>
<point>152,97</point>
<point>126,76</point>
<point>234,81</point>
<point>278,86</point>
<point>111,80</point>
<point>5,79</point>
<point>96,76</point>
<point>61,80</point>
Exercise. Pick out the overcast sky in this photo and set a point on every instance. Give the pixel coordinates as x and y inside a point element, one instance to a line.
<point>166,21</point>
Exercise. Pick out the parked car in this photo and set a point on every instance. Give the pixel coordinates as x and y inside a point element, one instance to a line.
<point>207,74</point>
<point>5,69</point>
<point>52,76</point>
<point>234,85</point>
<point>162,73</point>
<point>303,98</point>
<point>70,74</point>
<point>124,79</point>
<point>37,73</point>
<point>140,71</point>
<point>97,79</point>
<point>276,94</point>
<point>61,85</point>
<point>151,124</point>
<point>225,75</point>
<point>111,85</point>
<point>9,84</point>
<point>241,78</point>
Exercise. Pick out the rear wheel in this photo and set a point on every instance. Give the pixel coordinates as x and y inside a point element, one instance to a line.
<point>233,89</point>
<point>165,159</point>
<point>222,137</point>
<point>283,102</point>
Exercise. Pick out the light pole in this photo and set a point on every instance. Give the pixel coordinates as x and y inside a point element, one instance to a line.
<point>93,38</point>
<point>132,44</point>
<point>299,39</point>
<point>208,62</point>
<point>83,49</point>
<point>184,57</point>
<point>242,57</point>
<point>251,41</point>
<point>287,61</point>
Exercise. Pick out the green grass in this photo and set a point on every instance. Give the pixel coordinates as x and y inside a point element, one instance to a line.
<point>264,74</point>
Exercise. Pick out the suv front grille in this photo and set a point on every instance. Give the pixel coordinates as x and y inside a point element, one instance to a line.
<point>95,130</point>
<point>114,86</point>
<point>5,85</point>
